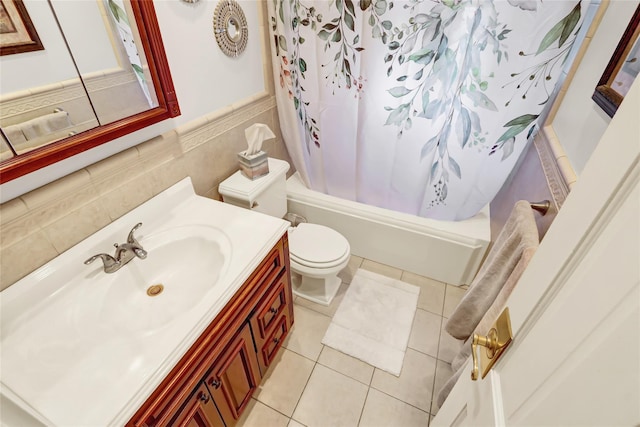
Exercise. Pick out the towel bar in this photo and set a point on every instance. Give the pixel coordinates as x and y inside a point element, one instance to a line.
<point>541,207</point>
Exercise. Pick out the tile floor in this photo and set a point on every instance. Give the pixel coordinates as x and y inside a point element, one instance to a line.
<point>310,384</point>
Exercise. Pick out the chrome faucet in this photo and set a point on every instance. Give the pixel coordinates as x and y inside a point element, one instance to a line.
<point>109,262</point>
<point>125,252</point>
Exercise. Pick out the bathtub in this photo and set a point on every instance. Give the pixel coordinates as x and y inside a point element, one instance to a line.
<point>447,251</point>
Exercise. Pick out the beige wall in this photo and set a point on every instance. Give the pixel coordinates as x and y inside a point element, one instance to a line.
<point>43,223</point>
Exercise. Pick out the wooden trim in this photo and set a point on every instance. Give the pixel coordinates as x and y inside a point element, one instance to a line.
<point>149,30</point>
<point>604,95</point>
<point>34,44</point>
<point>144,11</point>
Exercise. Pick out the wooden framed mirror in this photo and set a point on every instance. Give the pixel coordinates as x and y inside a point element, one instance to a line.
<point>622,69</point>
<point>165,104</point>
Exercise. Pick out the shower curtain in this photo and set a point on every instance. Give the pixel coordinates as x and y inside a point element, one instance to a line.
<point>419,106</point>
<point>121,22</point>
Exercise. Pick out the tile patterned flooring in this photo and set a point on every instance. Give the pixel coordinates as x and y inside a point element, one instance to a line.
<point>310,384</point>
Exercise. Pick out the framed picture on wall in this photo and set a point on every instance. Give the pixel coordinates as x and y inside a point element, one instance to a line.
<point>622,69</point>
<point>17,33</point>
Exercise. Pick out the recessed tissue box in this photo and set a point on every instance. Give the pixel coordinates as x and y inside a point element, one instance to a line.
<point>253,166</point>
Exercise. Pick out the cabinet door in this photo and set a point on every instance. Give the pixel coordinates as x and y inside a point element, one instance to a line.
<point>268,350</point>
<point>235,376</point>
<point>199,411</point>
<point>271,306</point>
<point>271,322</point>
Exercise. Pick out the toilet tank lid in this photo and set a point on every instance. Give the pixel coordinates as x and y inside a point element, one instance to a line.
<point>240,187</point>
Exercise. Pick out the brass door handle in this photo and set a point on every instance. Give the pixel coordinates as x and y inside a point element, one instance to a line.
<point>494,344</point>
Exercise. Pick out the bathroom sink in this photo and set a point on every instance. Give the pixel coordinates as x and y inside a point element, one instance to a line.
<point>67,330</point>
<point>182,265</point>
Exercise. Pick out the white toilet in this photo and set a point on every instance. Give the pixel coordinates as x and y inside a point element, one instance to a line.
<point>317,253</point>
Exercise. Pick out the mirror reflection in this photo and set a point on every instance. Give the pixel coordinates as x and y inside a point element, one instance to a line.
<point>5,150</point>
<point>96,74</point>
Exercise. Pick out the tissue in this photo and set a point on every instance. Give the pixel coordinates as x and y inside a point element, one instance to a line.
<point>253,161</point>
<point>255,135</point>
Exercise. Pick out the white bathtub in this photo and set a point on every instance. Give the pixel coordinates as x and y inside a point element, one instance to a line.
<point>447,251</point>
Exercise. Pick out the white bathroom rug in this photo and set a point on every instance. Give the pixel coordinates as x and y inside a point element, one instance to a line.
<point>374,320</point>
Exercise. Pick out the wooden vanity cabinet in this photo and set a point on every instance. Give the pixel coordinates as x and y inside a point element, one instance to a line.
<point>271,322</point>
<point>235,376</point>
<point>199,411</point>
<point>214,381</point>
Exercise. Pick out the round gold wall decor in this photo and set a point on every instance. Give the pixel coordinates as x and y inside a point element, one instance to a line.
<point>230,27</point>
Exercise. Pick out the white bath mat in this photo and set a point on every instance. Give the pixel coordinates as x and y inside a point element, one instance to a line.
<point>374,320</point>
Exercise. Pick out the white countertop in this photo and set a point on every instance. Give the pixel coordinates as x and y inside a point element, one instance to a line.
<point>94,374</point>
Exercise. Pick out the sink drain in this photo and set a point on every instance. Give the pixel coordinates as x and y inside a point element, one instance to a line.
<point>155,290</point>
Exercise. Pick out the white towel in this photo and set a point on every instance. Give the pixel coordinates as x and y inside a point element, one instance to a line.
<point>44,125</point>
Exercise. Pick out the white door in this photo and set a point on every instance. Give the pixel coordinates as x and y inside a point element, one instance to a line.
<point>575,355</point>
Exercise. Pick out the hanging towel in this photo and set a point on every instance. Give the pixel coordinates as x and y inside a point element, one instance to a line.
<point>496,308</point>
<point>459,361</point>
<point>30,144</point>
<point>14,134</point>
<point>46,124</point>
<point>520,236</point>
<point>519,233</point>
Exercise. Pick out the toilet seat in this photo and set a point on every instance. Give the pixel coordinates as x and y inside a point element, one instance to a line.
<point>317,246</point>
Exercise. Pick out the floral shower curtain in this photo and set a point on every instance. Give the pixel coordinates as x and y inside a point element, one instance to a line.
<point>420,106</point>
<point>121,21</point>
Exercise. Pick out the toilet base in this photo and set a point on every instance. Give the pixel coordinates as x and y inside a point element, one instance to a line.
<point>318,290</point>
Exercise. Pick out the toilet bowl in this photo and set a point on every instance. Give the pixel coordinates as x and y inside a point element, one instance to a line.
<point>316,253</point>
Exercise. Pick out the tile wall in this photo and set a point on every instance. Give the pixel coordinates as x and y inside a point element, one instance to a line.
<point>45,222</point>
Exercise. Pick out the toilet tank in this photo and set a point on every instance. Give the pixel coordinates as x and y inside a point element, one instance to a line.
<point>267,194</point>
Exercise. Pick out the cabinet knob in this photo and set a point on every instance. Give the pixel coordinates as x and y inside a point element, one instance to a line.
<point>276,340</point>
<point>273,310</point>
<point>203,397</point>
<point>214,383</point>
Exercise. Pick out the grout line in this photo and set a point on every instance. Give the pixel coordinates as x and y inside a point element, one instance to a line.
<point>400,400</point>
<point>311,309</point>
<point>270,407</point>
<point>304,389</point>
<point>345,375</point>
<point>302,355</point>
<point>444,300</point>
<point>364,405</point>
<point>372,374</point>
<point>433,387</point>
